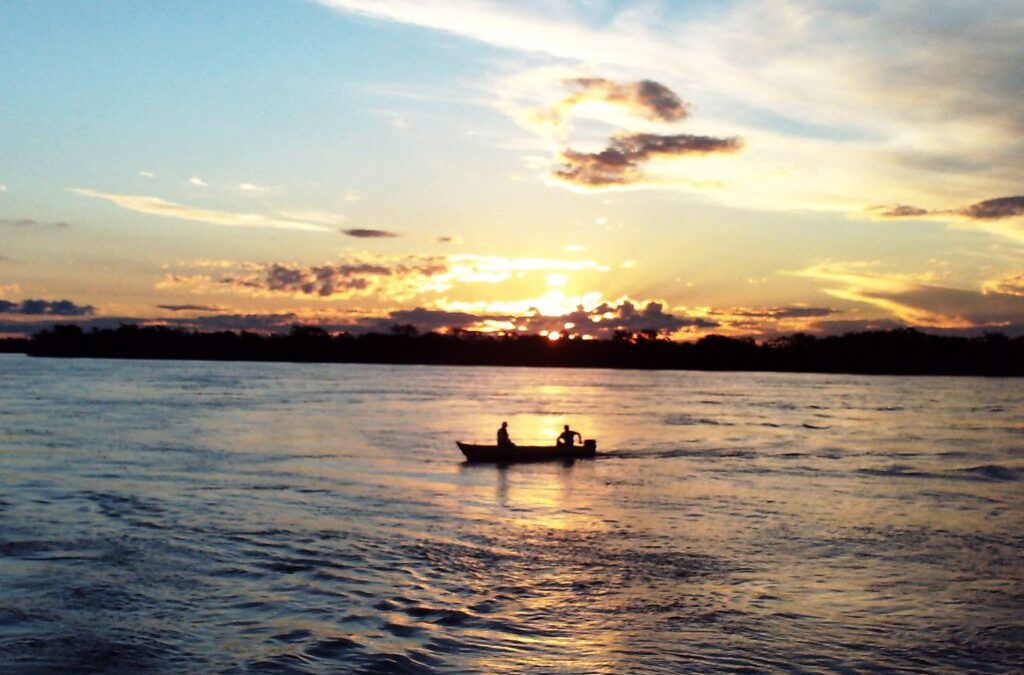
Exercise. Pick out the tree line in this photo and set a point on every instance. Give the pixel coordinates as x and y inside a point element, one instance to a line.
<point>899,352</point>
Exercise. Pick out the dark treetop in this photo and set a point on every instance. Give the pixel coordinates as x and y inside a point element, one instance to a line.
<point>903,352</point>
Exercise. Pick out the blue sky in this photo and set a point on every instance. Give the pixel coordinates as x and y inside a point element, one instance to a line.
<point>745,168</point>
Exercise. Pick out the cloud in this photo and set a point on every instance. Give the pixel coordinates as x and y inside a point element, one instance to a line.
<point>274,323</point>
<point>840,327</point>
<point>647,98</point>
<point>394,278</point>
<point>919,300</point>
<point>369,234</point>
<point>794,312</point>
<point>600,320</point>
<point>798,79</point>
<point>619,163</point>
<point>161,207</point>
<point>45,307</point>
<point>991,209</point>
<point>1003,216</point>
<point>29,222</point>
<point>426,320</point>
<point>994,209</point>
<point>351,195</point>
<point>1011,284</point>
<point>147,174</point>
<point>898,211</point>
<point>448,239</point>
<point>386,278</point>
<point>249,187</point>
<point>314,216</point>
<point>196,180</point>
<point>3,188</point>
<point>191,308</point>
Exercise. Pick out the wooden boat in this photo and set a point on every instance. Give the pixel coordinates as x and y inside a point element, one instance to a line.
<point>526,453</point>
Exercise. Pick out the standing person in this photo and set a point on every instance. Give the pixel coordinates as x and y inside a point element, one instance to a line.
<point>566,438</point>
<point>503,440</point>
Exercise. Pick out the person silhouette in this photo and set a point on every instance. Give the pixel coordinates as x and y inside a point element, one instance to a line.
<point>566,438</point>
<point>503,440</point>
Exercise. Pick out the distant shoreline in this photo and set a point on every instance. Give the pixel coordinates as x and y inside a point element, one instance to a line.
<point>898,352</point>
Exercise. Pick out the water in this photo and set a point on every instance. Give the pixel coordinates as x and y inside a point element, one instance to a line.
<point>239,517</point>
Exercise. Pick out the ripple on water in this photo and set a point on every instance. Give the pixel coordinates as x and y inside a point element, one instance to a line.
<point>310,519</point>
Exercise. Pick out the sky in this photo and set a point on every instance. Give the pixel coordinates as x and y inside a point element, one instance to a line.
<point>745,168</point>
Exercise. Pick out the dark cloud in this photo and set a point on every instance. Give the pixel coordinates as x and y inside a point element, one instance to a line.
<point>342,279</point>
<point>651,99</point>
<point>625,316</point>
<point>948,306</point>
<point>189,308</point>
<point>264,323</point>
<point>45,307</point>
<point>836,327</point>
<point>29,222</point>
<point>990,209</point>
<point>252,322</point>
<point>431,319</point>
<point>445,240</point>
<point>778,312</point>
<point>369,234</point>
<point>994,209</point>
<point>619,163</point>
<point>899,211</point>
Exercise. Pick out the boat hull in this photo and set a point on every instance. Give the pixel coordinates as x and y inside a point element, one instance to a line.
<point>525,453</point>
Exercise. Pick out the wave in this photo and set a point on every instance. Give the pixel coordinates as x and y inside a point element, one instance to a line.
<point>669,453</point>
<point>986,472</point>
<point>994,472</point>
<point>684,420</point>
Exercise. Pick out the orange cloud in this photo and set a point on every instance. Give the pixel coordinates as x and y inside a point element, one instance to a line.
<point>917,299</point>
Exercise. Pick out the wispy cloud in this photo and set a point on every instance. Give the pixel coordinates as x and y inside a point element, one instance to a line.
<point>1000,208</point>
<point>147,174</point>
<point>250,187</point>
<point>191,308</point>
<point>797,80</point>
<point>918,300</point>
<point>196,180</point>
<point>314,216</point>
<point>29,222</point>
<point>162,207</point>
<point>1009,284</point>
<point>1002,216</point>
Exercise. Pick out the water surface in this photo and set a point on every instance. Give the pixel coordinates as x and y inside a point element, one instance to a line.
<point>241,517</point>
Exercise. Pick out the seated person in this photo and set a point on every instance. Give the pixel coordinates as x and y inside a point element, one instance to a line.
<point>503,440</point>
<point>566,438</point>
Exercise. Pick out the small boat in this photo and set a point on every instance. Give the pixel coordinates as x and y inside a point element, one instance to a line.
<point>526,453</point>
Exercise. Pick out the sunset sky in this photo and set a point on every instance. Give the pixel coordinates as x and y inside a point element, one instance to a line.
<point>741,168</point>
